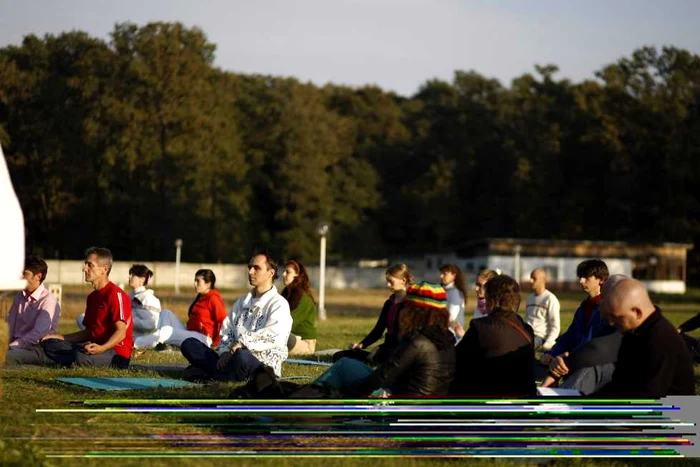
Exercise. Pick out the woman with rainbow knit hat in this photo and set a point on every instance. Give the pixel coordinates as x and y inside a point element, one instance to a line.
<point>422,364</point>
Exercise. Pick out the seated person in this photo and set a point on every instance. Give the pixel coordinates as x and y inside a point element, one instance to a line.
<point>34,313</point>
<point>255,333</point>
<point>590,366</point>
<point>145,306</point>
<point>107,339</point>
<point>495,356</point>
<point>452,279</point>
<point>205,318</point>
<point>297,291</point>
<point>481,279</point>
<point>587,322</point>
<point>398,277</point>
<point>653,361</point>
<point>422,364</point>
<point>542,311</point>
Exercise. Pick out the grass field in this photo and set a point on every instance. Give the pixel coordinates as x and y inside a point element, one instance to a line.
<point>26,436</point>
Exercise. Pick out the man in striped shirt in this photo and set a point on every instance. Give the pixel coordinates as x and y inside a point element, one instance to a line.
<point>108,336</point>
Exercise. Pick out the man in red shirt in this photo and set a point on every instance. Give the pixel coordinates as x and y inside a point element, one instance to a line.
<point>108,336</point>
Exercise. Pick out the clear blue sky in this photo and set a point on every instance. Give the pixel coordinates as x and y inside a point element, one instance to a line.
<point>396,44</point>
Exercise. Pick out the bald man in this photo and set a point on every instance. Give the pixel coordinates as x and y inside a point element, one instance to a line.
<point>653,360</point>
<point>542,311</point>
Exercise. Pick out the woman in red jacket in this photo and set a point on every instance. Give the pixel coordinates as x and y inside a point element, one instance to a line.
<point>205,317</point>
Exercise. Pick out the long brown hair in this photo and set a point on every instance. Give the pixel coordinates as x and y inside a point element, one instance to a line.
<point>300,285</point>
<point>415,318</point>
<point>460,279</point>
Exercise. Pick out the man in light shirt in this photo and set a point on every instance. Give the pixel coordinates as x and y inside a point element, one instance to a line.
<point>542,311</point>
<point>34,313</point>
<point>254,334</point>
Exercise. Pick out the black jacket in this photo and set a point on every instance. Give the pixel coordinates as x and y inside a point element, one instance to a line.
<point>392,337</point>
<point>690,325</point>
<point>495,358</point>
<point>423,364</point>
<point>653,361</point>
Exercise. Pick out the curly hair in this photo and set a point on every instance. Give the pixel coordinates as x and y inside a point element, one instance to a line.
<point>300,285</point>
<point>413,318</point>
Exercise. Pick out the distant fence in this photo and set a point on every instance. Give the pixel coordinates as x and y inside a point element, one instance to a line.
<point>235,276</point>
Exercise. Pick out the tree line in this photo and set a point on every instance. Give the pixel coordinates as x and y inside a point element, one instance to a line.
<point>139,140</point>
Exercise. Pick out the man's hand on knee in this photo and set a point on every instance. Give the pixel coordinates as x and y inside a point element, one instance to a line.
<point>51,336</point>
<point>557,367</point>
<point>93,349</point>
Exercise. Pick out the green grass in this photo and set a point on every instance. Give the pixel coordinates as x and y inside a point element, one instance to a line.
<point>26,435</point>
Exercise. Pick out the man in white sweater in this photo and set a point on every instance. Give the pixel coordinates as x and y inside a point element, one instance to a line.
<point>542,311</point>
<point>255,333</point>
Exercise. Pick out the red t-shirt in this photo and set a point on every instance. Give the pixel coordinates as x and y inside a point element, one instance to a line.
<point>104,308</point>
<point>207,315</point>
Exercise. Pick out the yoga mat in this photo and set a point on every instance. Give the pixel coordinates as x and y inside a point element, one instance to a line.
<point>298,361</point>
<point>123,384</point>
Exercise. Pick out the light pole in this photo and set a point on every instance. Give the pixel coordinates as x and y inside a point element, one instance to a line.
<point>178,248</point>
<point>322,231</point>
<point>516,263</point>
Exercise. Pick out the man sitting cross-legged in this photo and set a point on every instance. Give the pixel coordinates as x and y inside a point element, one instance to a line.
<point>587,323</point>
<point>108,336</point>
<point>254,333</point>
<point>34,313</point>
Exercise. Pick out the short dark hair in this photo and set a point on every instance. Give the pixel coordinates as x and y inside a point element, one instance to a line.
<point>593,267</point>
<point>208,276</point>
<point>141,270</point>
<point>36,265</point>
<point>271,263</point>
<point>104,256</point>
<point>504,292</point>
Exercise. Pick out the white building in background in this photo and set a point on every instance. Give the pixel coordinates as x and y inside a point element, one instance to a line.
<point>661,266</point>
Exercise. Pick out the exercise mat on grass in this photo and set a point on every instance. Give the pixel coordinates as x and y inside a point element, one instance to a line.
<point>124,384</point>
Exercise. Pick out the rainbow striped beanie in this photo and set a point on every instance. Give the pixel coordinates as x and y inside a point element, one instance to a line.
<point>426,295</point>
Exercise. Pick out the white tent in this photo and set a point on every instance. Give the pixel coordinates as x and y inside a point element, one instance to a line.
<point>11,234</point>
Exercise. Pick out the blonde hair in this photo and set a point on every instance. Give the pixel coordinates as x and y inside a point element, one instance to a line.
<point>487,274</point>
<point>401,271</point>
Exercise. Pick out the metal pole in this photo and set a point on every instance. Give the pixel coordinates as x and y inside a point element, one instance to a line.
<point>322,281</point>
<point>516,266</point>
<point>178,247</point>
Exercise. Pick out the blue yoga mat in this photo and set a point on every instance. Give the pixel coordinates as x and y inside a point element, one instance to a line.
<point>123,384</point>
<point>298,361</point>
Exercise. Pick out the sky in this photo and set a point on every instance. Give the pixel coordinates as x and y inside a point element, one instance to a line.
<point>395,44</point>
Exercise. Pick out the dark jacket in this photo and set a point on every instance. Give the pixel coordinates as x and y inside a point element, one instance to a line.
<point>423,364</point>
<point>391,340</point>
<point>577,334</point>
<point>495,358</point>
<point>690,325</point>
<point>653,361</point>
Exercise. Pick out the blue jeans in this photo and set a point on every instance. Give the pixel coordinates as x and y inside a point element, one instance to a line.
<point>344,374</point>
<point>240,366</point>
